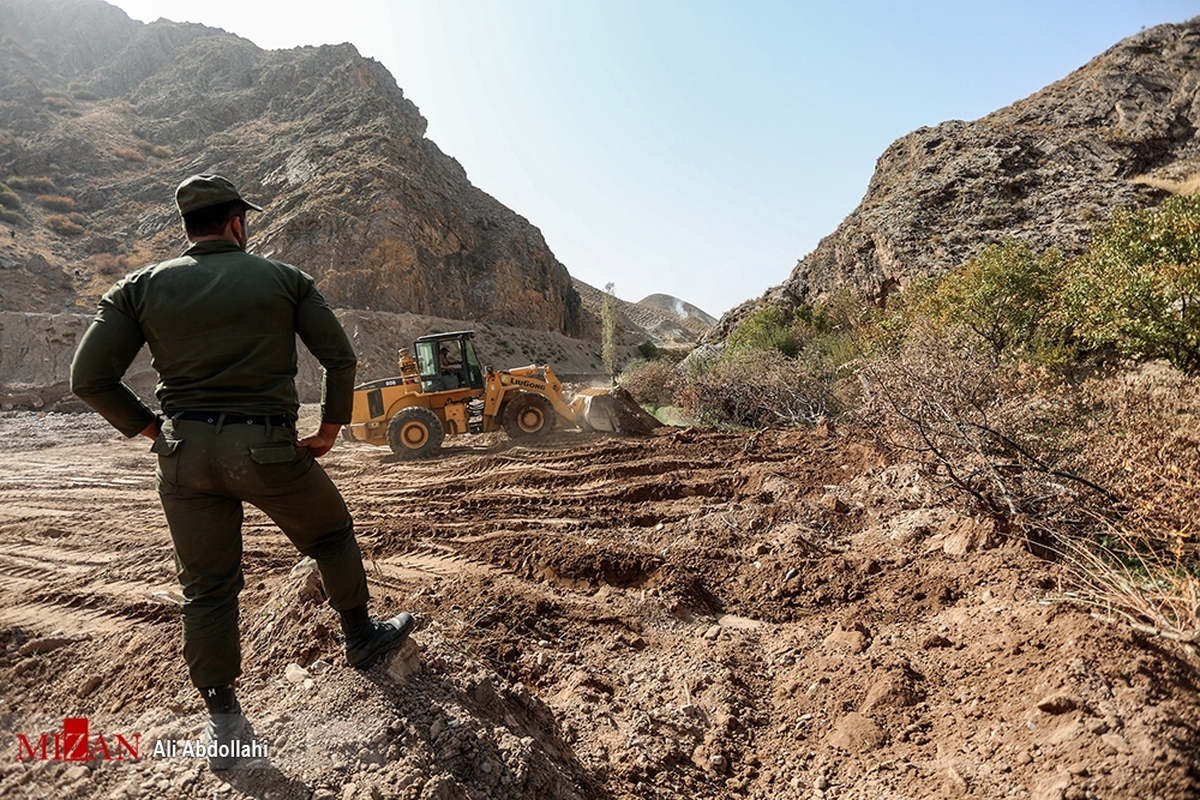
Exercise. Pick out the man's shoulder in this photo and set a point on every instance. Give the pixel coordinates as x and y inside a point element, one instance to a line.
<point>267,263</point>
<point>238,259</point>
<point>141,274</point>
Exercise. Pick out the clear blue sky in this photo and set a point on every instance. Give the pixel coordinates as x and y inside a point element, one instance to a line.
<point>692,147</point>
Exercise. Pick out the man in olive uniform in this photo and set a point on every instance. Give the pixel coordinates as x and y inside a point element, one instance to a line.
<point>222,326</point>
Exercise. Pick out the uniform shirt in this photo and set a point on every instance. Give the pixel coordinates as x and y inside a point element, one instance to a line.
<point>222,327</point>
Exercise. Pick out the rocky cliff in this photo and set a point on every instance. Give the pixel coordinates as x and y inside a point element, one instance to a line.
<point>101,116</point>
<point>1043,169</point>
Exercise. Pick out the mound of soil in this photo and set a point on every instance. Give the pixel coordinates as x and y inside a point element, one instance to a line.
<point>690,614</point>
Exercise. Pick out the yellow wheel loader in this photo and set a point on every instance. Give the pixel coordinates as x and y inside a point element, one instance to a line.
<point>442,390</point>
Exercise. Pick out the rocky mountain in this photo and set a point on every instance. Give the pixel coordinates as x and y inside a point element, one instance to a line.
<point>1116,132</point>
<point>101,116</point>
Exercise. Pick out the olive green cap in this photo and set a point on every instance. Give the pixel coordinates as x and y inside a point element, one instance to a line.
<point>202,191</point>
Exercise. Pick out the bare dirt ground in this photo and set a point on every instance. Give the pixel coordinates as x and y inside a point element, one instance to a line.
<point>694,614</point>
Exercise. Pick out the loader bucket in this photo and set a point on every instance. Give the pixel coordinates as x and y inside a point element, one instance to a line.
<point>597,411</point>
<point>614,411</point>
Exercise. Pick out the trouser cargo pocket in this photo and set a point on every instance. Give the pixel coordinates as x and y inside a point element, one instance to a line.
<point>166,475</point>
<point>278,463</point>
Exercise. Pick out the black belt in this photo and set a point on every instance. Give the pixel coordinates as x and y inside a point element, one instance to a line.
<point>212,417</point>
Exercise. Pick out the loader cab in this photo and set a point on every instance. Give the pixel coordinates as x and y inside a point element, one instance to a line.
<point>447,361</point>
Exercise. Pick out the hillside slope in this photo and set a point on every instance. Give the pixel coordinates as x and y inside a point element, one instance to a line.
<point>1044,169</point>
<point>101,116</point>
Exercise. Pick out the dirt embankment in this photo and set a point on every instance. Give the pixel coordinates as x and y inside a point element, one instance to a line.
<point>694,614</point>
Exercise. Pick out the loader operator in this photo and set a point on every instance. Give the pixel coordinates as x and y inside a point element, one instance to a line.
<point>222,326</point>
<point>452,377</point>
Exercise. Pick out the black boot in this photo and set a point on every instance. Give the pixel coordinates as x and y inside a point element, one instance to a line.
<point>227,729</point>
<point>366,641</point>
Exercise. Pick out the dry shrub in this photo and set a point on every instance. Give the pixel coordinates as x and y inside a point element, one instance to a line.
<point>1120,580</point>
<point>1141,438</point>
<point>1102,475</point>
<point>108,264</point>
<point>56,202</point>
<point>651,383</point>
<point>992,434</point>
<point>57,101</point>
<point>128,154</point>
<point>1188,185</point>
<point>1138,433</point>
<point>161,151</point>
<point>68,225</point>
<point>755,389</point>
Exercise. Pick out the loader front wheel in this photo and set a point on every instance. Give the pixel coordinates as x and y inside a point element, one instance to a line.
<point>415,432</point>
<point>528,415</point>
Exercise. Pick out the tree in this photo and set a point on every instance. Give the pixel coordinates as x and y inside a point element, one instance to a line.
<point>1004,295</point>
<point>608,319</point>
<point>1138,286</point>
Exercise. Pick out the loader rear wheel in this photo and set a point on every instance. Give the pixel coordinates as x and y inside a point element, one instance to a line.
<point>528,415</point>
<point>415,432</point>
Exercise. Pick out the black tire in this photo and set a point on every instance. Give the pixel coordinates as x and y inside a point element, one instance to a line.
<point>415,432</point>
<point>528,415</point>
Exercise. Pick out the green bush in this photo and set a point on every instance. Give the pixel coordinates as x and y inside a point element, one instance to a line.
<point>764,329</point>
<point>842,329</point>
<point>1005,295</point>
<point>11,217</point>
<point>8,198</point>
<point>31,184</point>
<point>1138,286</point>
<point>648,350</point>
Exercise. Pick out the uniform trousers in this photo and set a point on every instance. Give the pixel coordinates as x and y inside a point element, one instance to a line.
<point>205,473</point>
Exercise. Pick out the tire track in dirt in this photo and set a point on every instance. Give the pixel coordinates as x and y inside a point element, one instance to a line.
<point>569,486</point>
<point>49,470</point>
<point>73,587</point>
<point>85,546</point>
<point>428,563</point>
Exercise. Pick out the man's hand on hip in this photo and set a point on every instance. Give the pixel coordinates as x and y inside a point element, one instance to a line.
<point>322,441</point>
<point>152,430</point>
